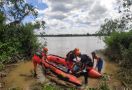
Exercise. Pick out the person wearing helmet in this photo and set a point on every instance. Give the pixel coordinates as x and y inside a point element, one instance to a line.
<point>99,64</point>
<point>38,57</point>
<point>72,57</point>
<point>44,53</point>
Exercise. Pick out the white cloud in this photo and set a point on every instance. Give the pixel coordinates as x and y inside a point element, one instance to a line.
<point>75,16</point>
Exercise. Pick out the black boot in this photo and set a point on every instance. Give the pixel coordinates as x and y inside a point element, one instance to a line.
<point>34,74</point>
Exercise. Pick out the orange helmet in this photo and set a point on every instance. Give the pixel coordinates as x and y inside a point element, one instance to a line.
<point>45,49</point>
<point>76,49</point>
<point>77,52</point>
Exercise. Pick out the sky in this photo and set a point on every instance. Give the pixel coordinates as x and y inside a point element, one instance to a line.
<point>73,16</point>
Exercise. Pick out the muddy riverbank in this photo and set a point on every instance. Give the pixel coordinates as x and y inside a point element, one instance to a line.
<point>20,76</point>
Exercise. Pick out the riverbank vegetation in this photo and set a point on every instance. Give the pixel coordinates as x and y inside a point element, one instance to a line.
<point>119,41</point>
<point>119,49</point>
<point>17,39</point>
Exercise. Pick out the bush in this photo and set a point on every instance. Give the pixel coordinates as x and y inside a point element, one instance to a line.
<point>104,83</point>
<point>16,41</point>
<point>117,43</point>
<point>119,49</point>
<point>1,66</point>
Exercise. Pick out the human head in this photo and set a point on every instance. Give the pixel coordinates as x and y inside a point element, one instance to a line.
<point>77,52</point>
<point>93,54</point>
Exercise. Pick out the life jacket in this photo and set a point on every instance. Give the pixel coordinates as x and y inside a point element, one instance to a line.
<point>38,56</point>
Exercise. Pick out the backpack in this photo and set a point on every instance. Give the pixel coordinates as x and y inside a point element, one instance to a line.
<point>38,53</point>
<point>85,59</point>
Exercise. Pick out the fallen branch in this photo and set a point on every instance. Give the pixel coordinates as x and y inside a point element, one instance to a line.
<point>125,85</point>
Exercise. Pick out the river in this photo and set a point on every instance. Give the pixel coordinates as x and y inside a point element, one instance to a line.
<point>62,45</point>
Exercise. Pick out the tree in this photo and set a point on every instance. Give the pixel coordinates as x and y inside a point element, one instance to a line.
<point>119,42</point>
<point>109,26</point>
<point>121,23</point>
<point>17,39</point>
<point>126,13</point>
<point>16,10</point>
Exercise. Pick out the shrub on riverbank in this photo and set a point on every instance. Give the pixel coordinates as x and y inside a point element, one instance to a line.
<point>17,40</point>
<point>119,49</point>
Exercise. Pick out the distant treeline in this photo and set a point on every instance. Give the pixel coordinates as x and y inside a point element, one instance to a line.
<point>70,35</point>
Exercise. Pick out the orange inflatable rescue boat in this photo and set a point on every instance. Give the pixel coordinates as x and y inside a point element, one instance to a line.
<point>60,60</point>
<point>60,73</point>
<point>58,65</point>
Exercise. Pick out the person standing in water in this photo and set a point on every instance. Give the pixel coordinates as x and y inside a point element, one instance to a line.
<point>99,64</point>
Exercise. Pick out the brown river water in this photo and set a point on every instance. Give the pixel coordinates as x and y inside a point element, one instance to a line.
<point>20,76</point>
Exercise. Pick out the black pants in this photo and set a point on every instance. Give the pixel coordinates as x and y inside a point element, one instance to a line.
<point>85,74</point>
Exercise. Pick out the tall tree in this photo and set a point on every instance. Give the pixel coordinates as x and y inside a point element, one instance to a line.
<point>16,10</point>
<point>109,26</point>
<point>121,23</point>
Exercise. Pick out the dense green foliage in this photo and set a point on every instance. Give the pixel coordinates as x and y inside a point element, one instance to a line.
<point>17,40</point>
<point>119,41</point>
<point>119,49</point>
